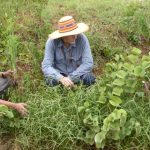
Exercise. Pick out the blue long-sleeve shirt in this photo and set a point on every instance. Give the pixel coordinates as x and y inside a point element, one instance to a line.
<point>74,61</point>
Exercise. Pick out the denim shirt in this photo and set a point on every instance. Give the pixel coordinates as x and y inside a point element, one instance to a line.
<point>74,61</point>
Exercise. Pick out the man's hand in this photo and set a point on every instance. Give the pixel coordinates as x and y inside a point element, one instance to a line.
<point>66,82</point>
<point>21,108</point>
<point>8,73</point>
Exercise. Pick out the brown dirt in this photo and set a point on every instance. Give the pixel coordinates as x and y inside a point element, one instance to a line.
<point>144,45</point>
<point>98,70</point>
<point>6,143</point>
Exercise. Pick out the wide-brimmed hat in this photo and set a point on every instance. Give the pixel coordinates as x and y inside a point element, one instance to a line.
<point>67,26</point>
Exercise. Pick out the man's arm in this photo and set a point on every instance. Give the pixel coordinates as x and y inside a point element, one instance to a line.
<point>87,61</point>
<point>2,75</point>
<point>47,64</point>
<point>20,107</point>
<point>7,103</point>
<point>6,73</point>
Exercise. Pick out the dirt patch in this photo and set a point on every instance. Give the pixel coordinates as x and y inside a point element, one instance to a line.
<point>7,143</point>
<point>98,70</point>
<point>144,45</point>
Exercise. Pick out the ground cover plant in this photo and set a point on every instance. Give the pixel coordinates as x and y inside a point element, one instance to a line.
<point>111,114</point>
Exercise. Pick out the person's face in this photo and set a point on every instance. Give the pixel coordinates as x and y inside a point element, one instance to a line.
<point>69,39</point>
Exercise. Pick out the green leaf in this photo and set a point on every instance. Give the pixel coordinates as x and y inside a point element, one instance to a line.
<point>100,138</point>
<point>115,126</point>
<point>86,104</point>
<point>118,82</point>
<point>129,89</point>
<point>115,135</point>
<point>139,71</point>
<point>9,114</point>
<point>132,58</point>
<point>117,57</point>
<point>102,99</point>
<point>146,58</point>
<point>136,51</point>
<point>113,75</point>
<point>137,128</point>
<point>120,65</point>
<point>96,129</point>
<point>109,85</point>
<point>121,74</point>
<point>81,108</point>
<point>131,83</point>
<point>95,121</point>
<point>122,57</point>
<point>101,145</point>
<point>90,134</point>
<point>102,89</point>
<point>117,91</point>
<point>5,111</point>
<point>115,101</point>
<point>90,137</point>
<point>3,108</point>
<point>129,67</point>
<point>89,141</point>
<point>146,64</point>
<point>123,119</point>
<point>140,94</point>
<point>126,130</point>
<point>87,119</point>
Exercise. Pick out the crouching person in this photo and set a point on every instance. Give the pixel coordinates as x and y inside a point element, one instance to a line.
<point>68,59</point>
<point>4,84</point>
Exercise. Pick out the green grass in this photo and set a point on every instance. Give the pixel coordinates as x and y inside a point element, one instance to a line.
<point>54,121</point>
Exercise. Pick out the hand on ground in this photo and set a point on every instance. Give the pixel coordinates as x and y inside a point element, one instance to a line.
<point>8,73</point>
<point>21,108</point>
<point>66,82</point>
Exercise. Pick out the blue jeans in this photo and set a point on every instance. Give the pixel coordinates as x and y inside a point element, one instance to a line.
<point>87,79</point>
<point>4,84</point>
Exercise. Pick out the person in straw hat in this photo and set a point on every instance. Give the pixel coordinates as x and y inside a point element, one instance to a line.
<point>68,57</point>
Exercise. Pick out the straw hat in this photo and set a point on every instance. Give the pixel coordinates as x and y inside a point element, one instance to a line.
<point>67,26</point>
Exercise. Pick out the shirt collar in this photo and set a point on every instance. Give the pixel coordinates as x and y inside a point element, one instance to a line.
<point>73,45</point>
<point>60,44</point>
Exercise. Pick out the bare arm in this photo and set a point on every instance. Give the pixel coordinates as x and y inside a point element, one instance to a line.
<point>20,107</point>
<point>8,104</point>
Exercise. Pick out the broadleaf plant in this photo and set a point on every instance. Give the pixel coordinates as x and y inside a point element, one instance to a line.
<point>105,117</point>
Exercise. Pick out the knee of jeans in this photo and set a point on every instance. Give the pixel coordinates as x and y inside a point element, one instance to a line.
<point>88,79</point>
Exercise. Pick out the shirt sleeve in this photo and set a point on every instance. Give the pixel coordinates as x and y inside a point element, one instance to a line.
<point>48,61</point>
<point>87,61</point>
